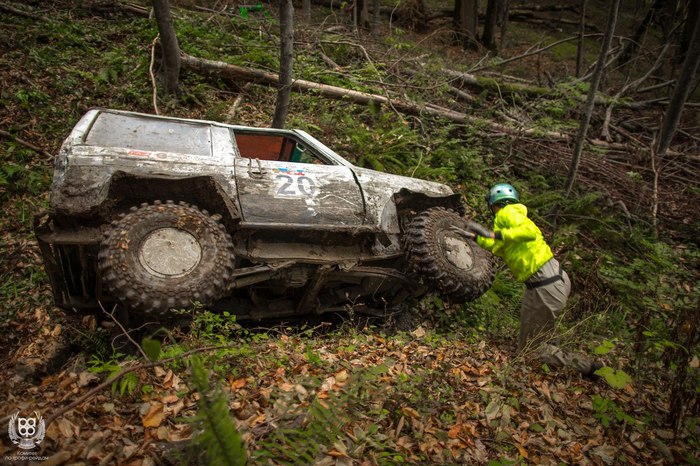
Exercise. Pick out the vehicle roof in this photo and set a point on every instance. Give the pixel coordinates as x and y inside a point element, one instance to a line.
<point>97,111</point>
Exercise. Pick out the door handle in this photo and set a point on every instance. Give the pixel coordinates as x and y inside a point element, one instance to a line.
<point>256,172</point>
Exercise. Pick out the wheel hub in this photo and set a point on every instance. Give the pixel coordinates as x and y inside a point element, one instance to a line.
<point>169,253</point>
<point>458,252</point>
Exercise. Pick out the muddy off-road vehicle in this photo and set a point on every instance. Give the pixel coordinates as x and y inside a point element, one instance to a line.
<point>156,213</point>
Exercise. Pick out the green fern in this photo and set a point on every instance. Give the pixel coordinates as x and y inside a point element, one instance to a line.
<point>218,438</point>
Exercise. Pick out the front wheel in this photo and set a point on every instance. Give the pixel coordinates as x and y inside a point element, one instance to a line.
<point>166,256</point>
<point>458,269</point>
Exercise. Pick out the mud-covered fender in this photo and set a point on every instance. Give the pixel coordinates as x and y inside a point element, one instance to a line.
<point>406,203</point>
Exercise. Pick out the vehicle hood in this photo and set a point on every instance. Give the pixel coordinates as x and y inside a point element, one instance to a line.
<point>376,183</point>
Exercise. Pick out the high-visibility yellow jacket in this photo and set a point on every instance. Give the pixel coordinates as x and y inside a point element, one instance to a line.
<point>521,246</point>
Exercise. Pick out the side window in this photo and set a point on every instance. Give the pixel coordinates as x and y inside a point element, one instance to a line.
<point>302,155</point>
<point>275,148</point>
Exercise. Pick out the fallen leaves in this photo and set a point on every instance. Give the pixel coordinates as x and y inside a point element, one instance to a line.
<point>154,414</point>
<point>414,399</point>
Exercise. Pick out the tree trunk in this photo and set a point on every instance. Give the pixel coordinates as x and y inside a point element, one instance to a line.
<point>376,16</point>
<point>170,71</point>
<point>681,91</point>
<point>590,100</point>
<point>466,20</point>
<point>581,32</point>
<point>364,14</point>
<point>488,38</point>
<point>284,88</point>
<point>504,21</point>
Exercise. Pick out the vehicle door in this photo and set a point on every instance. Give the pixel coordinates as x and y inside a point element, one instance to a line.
<point>283,180</point>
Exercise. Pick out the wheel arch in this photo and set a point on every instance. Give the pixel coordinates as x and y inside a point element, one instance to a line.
<point>409,203</point>
<point>206,192</point>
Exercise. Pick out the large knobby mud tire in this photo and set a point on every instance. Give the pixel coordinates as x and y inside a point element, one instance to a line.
<point>458,269</point>
<point>166,256</point>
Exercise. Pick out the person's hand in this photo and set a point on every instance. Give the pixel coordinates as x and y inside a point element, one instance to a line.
<point>480,230</point>
<point>463,233</point>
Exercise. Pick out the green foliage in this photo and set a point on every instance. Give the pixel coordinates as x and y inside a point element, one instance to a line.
<point>382,141</point>
<point>496,312</point>
<point>215,327</point>
<point>218,441</point>
<point>237,42</point>
<point>609,413</point>
<point>20,174</point>
<point>152,348</point>
<point>616,378</point>
<point>604,348</point>
<point>19,287</point>
<point>111,366</point>
<point>312,357</point>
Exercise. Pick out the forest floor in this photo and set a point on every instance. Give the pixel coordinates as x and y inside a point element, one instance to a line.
<point>338,394</point>
<point>342,396</point>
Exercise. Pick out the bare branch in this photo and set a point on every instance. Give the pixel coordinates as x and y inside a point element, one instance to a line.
<point>26,144</point>
<point>124,331</point>
<point>530,53</point>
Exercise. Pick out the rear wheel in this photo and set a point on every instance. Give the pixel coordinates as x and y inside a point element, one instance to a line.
<point>166,256</point>
<point>458,269</point>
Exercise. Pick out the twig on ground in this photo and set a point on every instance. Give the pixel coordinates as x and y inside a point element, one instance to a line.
<point>98,388</point>
<point>124,331</point>
<point>230,115</point>
<point>26,144</point>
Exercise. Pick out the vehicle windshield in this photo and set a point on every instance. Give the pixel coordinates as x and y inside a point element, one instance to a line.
<point>150,134</point>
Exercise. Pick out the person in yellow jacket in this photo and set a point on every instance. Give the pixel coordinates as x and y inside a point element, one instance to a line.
<point>519,242</point>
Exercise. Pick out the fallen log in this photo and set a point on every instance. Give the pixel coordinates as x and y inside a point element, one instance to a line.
<point>471,80</point>
<point>241,74</point>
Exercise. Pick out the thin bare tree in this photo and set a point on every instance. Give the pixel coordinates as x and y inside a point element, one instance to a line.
<point>170,56</point>
<point>684,85</point>
<point>590,100</point>
<point>632,45</point>
<point>503,21</point>
<point>284,88</point>
<point>581,33</point>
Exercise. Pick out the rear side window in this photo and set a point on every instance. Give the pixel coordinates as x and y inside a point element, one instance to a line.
<point>275,148</point>
<point>150,134</point>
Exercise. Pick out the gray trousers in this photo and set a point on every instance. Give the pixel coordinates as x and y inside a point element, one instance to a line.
<point>540,309</point>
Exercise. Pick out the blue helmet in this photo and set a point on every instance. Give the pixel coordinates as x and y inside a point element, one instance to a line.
<point>502,194</point>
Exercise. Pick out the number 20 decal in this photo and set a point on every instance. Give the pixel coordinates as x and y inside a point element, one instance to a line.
<point>304,186</point>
